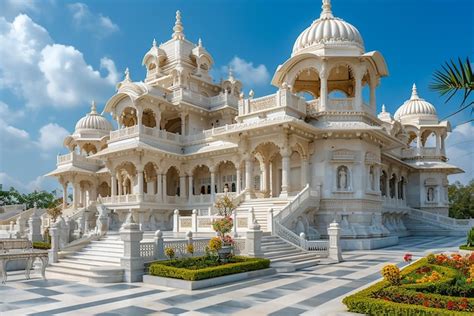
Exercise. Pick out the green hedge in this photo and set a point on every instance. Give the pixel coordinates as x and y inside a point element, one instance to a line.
<point>466,247</point>
<point>364,301</point>
<point>242,264</point>
<point>41,245</point>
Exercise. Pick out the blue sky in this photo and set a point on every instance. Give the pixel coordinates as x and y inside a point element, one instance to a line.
<point>56,56</point>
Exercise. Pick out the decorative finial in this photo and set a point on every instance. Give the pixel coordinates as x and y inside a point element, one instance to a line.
<point>231,74</point>
<point>127,75</point>
<point>178,27</point>
<point>154,42</point>
<point>326,13</point>
<point>383,108</point>
<point>93,107</point>
<point>414,93</point>
<point>199,42</point>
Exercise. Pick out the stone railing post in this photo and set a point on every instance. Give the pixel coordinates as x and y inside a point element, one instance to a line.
<point>334,232</point>
<point>303,240</point>
<point>251,218</point>
<point>131,261</point>
<point>176,221</point>
<point>53,252</point>
<point>35,227</point>
<point>189,237</point>
<point>234,222</point>
<point>253,242</point>
<point>270,220</point>
<point>159,248</point>
<point>194,221</point>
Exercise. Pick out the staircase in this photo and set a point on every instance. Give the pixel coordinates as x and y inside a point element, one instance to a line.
<point>261,207</point>
<point>98,262</point>
<point>280,251</point>
<point>426,224</point>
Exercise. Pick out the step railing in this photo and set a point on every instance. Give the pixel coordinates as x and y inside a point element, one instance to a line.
<point>297,205</point>
<point>441,220</point>
<point>318,246</point>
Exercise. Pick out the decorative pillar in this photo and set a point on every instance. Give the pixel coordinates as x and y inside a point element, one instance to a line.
<point>213,184</point>
<point>323,93</point>
<point>120,185</point>
<point>165,188</point>
<point>373,104</point>
<point>159,186</point>
<point>285,173</point>
<point>270,220</point>
<point>334,250</point>
<point>159,248</point>
<point>248,177</point>
<point>183,124</point>
<point>266,178</point>
<point>190,187</point>
<point>182,186</point>
<point>75,195</point>
<point>238,185</point>
<point>64,185</point>
<point>176,221</point>
<point>358,74</point>
<point>140,182</point>
<point>53,252</point>
<point>418,143</point>
<point>438,144</point>
<point>253,241</point>
<point>131,261</point>
<point>194,221</point>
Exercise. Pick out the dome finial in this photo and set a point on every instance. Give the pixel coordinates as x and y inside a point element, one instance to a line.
<point>231,74</point>
<point>326,13</point>
<point>383,108</point>
<point>154,42</point>
<point>127,75</point>
<point>93,107</point>
<point>414,93</point>
<point>200,42</point>
<point>178,27</point>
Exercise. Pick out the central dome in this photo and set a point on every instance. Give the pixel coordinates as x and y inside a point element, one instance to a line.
<point>93,121</point>
<point>329,32</point>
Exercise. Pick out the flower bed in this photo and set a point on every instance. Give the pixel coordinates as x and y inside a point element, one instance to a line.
<point>435,285</point>
<point>201,268</point>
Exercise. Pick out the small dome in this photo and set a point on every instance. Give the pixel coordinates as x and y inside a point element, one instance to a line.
<point>93,120</point>
<point>329,32</point>
<point>416,107</point>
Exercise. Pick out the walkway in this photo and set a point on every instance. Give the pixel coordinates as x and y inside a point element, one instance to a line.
<point>313,291</point>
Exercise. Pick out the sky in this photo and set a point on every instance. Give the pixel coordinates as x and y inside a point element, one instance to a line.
<point>58,56</point>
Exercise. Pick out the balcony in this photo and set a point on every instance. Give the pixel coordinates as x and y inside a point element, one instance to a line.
<point>423,152</point>
<point>339,104</point>
<point>79,161</point>
<point>209,103</point>
<point>177,201</point>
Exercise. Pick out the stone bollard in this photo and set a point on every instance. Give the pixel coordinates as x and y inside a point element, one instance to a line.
<point>131,261</point>
<point>35,227</point>
<point>194,221</point>
<point>234,222</point>
<point>12,227</point>
<point>176,221</point>
<point>159,248</point>
<point>53,252</point>
<point>334,232</point>
<point>253,241</point>
<point>270,220</point>
<point>189,237</point>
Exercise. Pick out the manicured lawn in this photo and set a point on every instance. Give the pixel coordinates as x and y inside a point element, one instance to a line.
<point>435,285</point>
<point>200,268</point>
<point>465,247</point>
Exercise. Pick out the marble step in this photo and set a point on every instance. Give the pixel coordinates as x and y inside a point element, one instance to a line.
<point>91,263</point>
<point>103,249</point>
<point>106,274</point>
<point>95,258</point>
<point>281,254</point>
<point>294,258</point>
<point>272,248</point>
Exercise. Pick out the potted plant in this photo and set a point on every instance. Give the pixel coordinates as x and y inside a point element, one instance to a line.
<point>223,226</point>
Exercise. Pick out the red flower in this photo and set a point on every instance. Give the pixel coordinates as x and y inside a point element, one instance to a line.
<point>407,257</point>
<point>426,303</point>
<point>450,305</point>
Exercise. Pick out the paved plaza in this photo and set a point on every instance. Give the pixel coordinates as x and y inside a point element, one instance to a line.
<point>313,291</point>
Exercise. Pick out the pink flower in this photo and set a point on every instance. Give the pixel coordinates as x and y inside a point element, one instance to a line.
<point>407,257</point>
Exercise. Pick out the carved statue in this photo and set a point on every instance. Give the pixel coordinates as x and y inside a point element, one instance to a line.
<point>372,178</point>
<point>430,194</point>
<point>342,178</point>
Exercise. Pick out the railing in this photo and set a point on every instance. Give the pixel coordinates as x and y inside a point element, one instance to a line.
<point>296,206</point>
<point>393,202</point>
<point>263,103</point>
<point>422,152</point>
<point>317,246</point>
<point>441,220</point>
<point>128,198</point>
<point>147,250</point>
<point>73,157</point>
<point>14,207</point>
<point>202,100</point>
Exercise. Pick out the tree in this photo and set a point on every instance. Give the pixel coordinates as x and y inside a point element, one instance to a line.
<point>453,78</point>
<point>461,200</point>
<point>43,199</point>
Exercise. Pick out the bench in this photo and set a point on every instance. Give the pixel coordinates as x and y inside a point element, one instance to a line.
<point>21,249</point>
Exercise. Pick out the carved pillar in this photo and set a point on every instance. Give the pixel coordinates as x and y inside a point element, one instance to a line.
<point>213,183</point>
<point>373,104</point>
<point>418,143</point>
<point>159,186</point>
<point>285,174</point>
<point>165,188</point>
<point>140,181</point>
<point>304,172</point>
<point>183,124</point>
<point>190,187</point>
<point>266,178</point>
<point>238,185</point>
<point>182,186</point>
<point>64,185</point>
<point>358,75</point>
<point>75,194</point>
<point>323,93</point>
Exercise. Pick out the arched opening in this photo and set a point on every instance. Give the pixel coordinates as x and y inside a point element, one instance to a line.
<point>202,179</point>
<point>226,177</point>
<point>148,118</point>
<point>104,189</point>
<point>383,183</point>
<point>428,139</point>
<point>128,117</point>
<point>392,183</point>
<point>173,125</point>
<point>89,149</point>
<point>149,178</point>
<point>412,139</point>
<point>343,178</point>
<point>342,79</point>
<point>267,178</point>
<point>308,82</point>
<point>126,175</point>
<point>337,94</point>
<point>172,181</point>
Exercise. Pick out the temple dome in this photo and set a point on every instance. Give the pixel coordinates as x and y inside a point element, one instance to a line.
<point>416,107</point>
<point>328,32</point>
<point>93,121</point>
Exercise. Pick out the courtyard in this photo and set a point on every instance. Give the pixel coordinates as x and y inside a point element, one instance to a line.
<point>317,290</point>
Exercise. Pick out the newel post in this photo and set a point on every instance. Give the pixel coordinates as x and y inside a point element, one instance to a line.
<point>194,221</point>
<point>131,261</point>
<point>176,221</point>
<point>270,220</point>
<point>53,252</point>
<point>159,248</point>
<point>253,242</point>
<point>334,232</point>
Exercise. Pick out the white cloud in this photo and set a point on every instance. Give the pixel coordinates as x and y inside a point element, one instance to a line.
<point>39,183</point>
<point>96,23</point>
<point>249,74</point>
<point>460,151</point>
<point>51,136</point>
<point>45,73</point>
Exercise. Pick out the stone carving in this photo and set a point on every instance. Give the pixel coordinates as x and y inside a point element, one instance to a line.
<point>342,178</point>
<point>430,194</point>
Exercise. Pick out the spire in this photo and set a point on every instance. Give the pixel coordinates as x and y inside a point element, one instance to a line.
<point>93,108</point>
<point>414,93</point>
<point>231,74</point>
<point>154,43</point>
<point>383,108</point>
<point>200,42</point>
<point>127,75</point>
<point>326,13</point>
<point>178,27</point>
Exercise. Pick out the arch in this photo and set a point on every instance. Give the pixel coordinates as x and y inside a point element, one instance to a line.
<point>103,189</point>
<point>428,138</point>
<point>226,176</point>
<point>341,78</point>
<point>173,125</point>
<point>307,80</point>
<point>126,175</point>
<point>172,181</point>
<point>202,179</point>
<point>149,118</point>
<point>128,117</point>
<point>89,149</point>
<point>149,178</point>
<point>383,183</point>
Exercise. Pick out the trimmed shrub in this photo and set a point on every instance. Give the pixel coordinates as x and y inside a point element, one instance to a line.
<point>391,274</point>
<point>41,245</point>
<point>200,268</point>
<point>470,238</point>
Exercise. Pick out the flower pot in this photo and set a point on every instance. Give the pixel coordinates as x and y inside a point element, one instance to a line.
<point>225,253</point>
